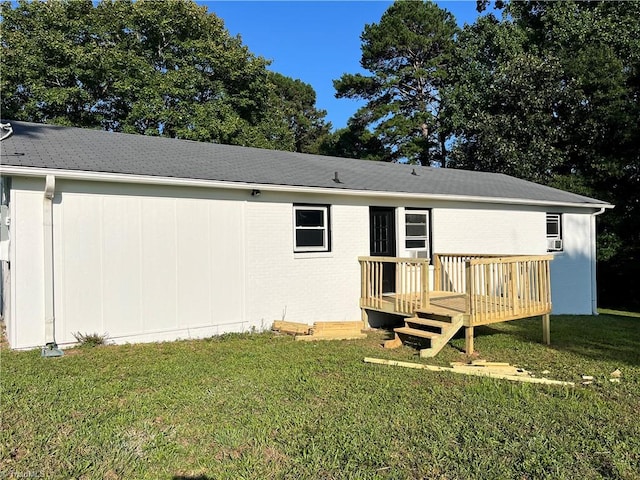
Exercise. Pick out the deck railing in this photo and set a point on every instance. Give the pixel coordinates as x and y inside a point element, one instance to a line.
<point>411,289</point>
<point>497,288</point>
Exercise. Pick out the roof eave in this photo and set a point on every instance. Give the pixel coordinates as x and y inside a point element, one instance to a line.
<point>156,180</point>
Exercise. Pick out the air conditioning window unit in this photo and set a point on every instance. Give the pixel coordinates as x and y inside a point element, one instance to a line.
<point>554,244</point>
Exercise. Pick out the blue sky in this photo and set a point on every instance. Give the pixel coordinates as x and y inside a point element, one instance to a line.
<point>314,41</point>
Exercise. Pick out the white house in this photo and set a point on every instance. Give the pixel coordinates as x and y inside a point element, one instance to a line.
<point>148,238</point>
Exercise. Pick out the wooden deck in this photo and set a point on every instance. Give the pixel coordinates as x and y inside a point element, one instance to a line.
<point>445,300</point>
<point>469,290</point>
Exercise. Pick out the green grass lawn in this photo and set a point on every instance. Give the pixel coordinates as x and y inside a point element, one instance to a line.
<point>262,406</point>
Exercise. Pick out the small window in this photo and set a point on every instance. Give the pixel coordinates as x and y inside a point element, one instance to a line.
<point>417,231</point>
<point>554,232</point>
<point>311,228</point>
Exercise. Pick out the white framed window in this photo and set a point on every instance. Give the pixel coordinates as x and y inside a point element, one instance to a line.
<point>311,228</point>
<point>554,232</point>
<point>417,232</point>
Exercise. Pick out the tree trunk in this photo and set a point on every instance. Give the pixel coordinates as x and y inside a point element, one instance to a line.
<point>443,150</point>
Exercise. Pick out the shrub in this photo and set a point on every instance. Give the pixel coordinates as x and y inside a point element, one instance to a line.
<point>90,339</point>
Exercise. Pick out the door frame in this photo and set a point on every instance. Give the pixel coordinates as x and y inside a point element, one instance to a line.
<point>388,269</point>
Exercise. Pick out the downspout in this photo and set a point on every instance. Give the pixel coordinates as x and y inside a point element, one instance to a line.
<point>594,287</point>
<point>51,347</point>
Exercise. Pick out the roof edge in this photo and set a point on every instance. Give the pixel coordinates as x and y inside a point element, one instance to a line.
<point>173,181</point>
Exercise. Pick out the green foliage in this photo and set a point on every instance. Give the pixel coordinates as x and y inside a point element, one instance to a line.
<point>90,339</point>
<point>550,94</point>
<point>264,406</point>
<point>155,68</point>
<point>505,104</point>
<point>354,141</point>
<point>296,101</point>
<point>408,54</point>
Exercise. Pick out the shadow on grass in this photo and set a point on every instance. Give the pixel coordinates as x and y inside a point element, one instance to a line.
<point>603,337</point>
<point>481,331</point>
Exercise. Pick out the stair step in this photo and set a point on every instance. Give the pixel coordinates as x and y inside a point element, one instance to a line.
<point>428,322</point>
<point>414,332</point>
<point>435,317</point>
<point>436,310</point>
<point>438,343</point>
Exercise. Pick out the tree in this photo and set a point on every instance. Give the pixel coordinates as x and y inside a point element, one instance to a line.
<point>551,93</point>
<point>354,141</point>
<point>408,54</point>
<point>507,103</point>
<point>599,46</point>
<point>155,68</point>
<point>297,101</point>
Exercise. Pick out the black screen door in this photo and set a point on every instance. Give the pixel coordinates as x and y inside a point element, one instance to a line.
<point>382,234</point>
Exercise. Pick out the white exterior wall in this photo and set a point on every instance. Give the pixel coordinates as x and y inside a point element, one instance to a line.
<point>502,230</point>
<point>147,268</point>
<point>147,263</point>
<point>303,287</point>
<point>25,327</point>
<point>523,232</point>
<point>135,263</point>
<point>143,263</point>
<point>572,270</point>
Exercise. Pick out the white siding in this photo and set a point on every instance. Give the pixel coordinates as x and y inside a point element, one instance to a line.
<point>571,269</point>
<point>27,260</point>
<point>78,266</point>
<point>122,292</point>
<point>228,266</point>
<point>138,267</point>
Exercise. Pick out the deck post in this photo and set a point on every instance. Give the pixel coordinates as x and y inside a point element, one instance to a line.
<point>546,329</point>
<point>424,283</point>
<point>469,284</point>
<point>468,340</point>
<point>365,319</point>
<point>437,272</point>
<point>513,288</point>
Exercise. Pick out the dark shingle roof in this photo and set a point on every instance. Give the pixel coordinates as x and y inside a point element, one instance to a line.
<point>68,148</point>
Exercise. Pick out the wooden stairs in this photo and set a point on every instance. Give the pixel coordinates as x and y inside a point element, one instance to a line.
<point>433,324</point>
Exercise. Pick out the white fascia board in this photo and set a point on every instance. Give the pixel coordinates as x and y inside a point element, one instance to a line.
<point>151,180</point>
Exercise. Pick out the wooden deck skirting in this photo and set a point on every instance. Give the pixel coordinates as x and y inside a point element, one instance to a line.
<point>485,288</point>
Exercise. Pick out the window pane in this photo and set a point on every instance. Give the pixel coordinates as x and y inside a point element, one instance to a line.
<point>309,218</point>
<point>416,244</point>
<point>309,238</point>
<point>416,218</point>
<point>553,227</point>
<point>416,230</point>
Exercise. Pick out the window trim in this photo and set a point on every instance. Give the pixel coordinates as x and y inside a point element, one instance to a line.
<point>427,237</point>
<point>326,228</point>
<point>557,217</point>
